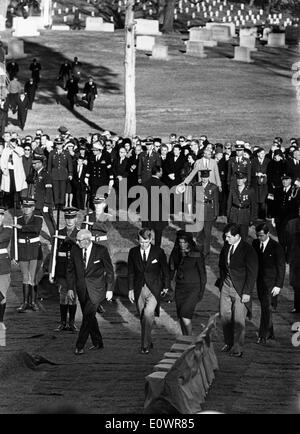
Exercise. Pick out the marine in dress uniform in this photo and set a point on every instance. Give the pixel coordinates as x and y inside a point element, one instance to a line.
<point>5,267</point>
<point>40,187</point>
<point>238,164</point>
<point>60,168</point>
<point>29,227</point>
<point>206,204</point>
<point>241,206</point>
<point>66,240</point>
<point>100,172</point>
<point>90,93</point>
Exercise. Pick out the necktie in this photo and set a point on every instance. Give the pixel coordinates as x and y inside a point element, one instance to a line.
<point>230,254</point>
<point>262,247</point>
<point>84,257</point>
<point>144,258</point>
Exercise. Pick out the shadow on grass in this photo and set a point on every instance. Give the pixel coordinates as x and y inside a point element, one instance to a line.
<point>51,60</point>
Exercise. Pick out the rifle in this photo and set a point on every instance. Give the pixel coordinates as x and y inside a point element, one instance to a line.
<point>87,222</point>
<point>54,253</point>
<point>16,258</point>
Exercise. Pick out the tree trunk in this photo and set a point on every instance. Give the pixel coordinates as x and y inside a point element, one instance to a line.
<point>168,26</point>
<point>3,7</point>
<point>130,103</point>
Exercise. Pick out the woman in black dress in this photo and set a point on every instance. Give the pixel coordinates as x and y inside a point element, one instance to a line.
<point>187,262</point>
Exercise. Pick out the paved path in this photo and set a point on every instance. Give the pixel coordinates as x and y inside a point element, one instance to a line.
<point>265,380</point>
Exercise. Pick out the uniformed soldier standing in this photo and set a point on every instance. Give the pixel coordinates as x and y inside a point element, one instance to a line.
<point>207,202</point>
<point>60,169</point>
<point>97,222</point>
<point>40,188</point>
<point>238,164</point>
<point>5,265</point>
<point>241,206</point>
<point>100,172</point>
<point>66,240</point>
<point>29,227</point>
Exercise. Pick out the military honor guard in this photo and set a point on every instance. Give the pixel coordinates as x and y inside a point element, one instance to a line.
<point>97,222</point>
<point>5,265</point>
<point>206,203</point>
<point>148,159</point>
<point>241,206</point>
<point>29,226</point>
<point>40,187</point>
<point>60,168</point>
<point>238,164</point>
<point>66,240</point>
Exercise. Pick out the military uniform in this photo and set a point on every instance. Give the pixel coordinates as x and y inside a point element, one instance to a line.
<point>237,166</point>
<point>242,209</point>
<point>5,267</point>
<point>98,226</point>
<point>40,187</point>
<point>100,174</point>
<point>66,241</point>
<point>29,254</point>
<point>146,163</point>
<point>207,203</point>
<point>60,167</point>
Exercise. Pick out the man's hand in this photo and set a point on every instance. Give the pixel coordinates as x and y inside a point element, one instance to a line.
<point>131,296</point>
<point>246,298</point>
<point>51,279</point>
<point>14,262</point>
<point>70,177</point>
<point>172,176</point>
<point>109,295</point>
<point>275,291</point>
<point>273,223</point>
<point>164,292</point>
<point>71,294</point>
<point>45,209</point>
<point>17,226</point>
<point>139,181</point>
<point>220,189</point>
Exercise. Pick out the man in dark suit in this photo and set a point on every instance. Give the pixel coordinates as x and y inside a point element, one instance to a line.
<point>90,93</point>
<point>90,273</point>
<point>79,182</point>
<point>238,265</point>
<point>270,279</point>
<point>148,278</point>
<point>293,165</point>
<point>158,211</point>
<point>23,106</point>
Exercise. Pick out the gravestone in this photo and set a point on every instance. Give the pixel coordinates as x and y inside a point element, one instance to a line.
<point>26,27</point>
<point>203,35</point>
<point>96,24</point>
<point>276,40</point>
<point>195,48</point>
<point>230,25</point>
<point>242,54</point>
<point>160,52</point>
<point>60,27</point>
<point>2,24</point>
<point>252,31</point>
<point>248,41</point>
<point>292,35</point>
<point>15,49</point>
<point>220,33</point>
<point>145,43</point>
<point>147,27</point>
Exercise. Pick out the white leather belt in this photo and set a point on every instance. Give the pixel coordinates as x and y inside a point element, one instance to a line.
<point>31,240</point>
<point>104,238</point>
<point>62,254</point>
<point>3,251</point>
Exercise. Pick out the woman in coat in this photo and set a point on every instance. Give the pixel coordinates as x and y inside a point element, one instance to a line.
<point>187,263</point>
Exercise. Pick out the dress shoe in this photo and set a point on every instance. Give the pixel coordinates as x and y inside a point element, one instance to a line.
<point>262,341</point>
<point>271,338</point>
<point>72,328</point>
<point>23,307</point>
<point>34,307</point>
<point>78,352</point>
<point>61,328</point>
<point>145,351</point>
<point>226,348</point>
<point>96,347</point>
<point>239,354</point>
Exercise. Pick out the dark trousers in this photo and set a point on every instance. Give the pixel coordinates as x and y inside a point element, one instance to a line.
<point>266,329</point>
<point>262,210</point>
<point>90,100</point>
<point>297,298</point>
<point>89,325</point>
<point>203,238</point>
<point>59,191</point>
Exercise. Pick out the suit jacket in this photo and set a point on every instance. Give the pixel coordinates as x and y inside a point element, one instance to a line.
<point>174,167</point>
<point>214,175</point>
<point>96,279</point>
<point>243,269</point>
<point>155,275</point>
<point>293,169</point>
<point>271,265</point>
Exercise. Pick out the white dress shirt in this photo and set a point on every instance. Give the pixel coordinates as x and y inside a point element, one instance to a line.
<point>147,251</point>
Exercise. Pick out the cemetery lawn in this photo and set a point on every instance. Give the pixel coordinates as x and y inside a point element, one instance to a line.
<point>215,96</point>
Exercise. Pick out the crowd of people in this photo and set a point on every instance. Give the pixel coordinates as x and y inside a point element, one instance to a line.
<point>244,185</point>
